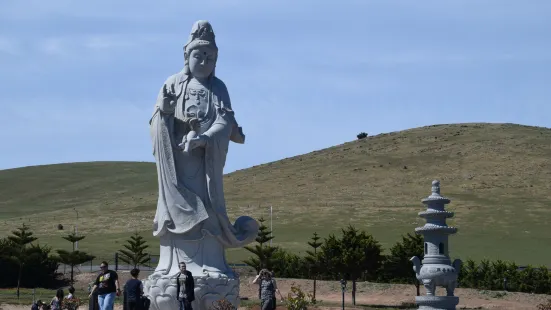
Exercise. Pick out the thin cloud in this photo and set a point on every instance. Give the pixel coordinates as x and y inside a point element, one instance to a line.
<point>71,45</point>
<point>67,117</point>
<point>126,10</point>
<point>8,46</point>
<point>53,46</point>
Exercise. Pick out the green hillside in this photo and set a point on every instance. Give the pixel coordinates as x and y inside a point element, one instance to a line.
<point>498,177</point>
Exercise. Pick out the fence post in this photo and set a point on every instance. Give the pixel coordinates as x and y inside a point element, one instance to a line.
<point>116,261</point>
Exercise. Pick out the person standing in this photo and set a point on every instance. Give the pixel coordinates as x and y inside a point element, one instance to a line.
<point>133,290</point>
<point>57,300</point>
<point>107,284</point>
<point>185,287</point>
<point>71,292</point>
<point>69,299</point>
<point>267,289</point>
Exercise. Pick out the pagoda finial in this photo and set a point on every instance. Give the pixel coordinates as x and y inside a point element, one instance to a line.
<point>436,188</point>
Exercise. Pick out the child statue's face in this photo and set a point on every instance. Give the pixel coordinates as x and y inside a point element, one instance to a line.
<point>201,62</point>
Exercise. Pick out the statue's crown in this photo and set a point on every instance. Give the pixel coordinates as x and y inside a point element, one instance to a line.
<point>201,34</point>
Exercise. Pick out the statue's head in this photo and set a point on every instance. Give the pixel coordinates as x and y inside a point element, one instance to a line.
<point>200,52</point>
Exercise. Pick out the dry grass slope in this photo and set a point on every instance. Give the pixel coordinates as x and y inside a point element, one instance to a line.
<point>497,175</point>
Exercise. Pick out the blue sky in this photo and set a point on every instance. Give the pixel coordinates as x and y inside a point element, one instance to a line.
<point>78,79</point>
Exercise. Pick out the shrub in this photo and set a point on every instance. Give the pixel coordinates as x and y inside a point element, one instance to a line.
<point>491,276</point>
<point>297,299</point>
<point>545,306</point>
<point>71,304</point>
<point>362,135</point>
<point>24,263</point>
<point>289,265</point>
<point>222,304</point>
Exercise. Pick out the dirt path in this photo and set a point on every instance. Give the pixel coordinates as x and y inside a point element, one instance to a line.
<point>368,294</point>
<point>399,294</point>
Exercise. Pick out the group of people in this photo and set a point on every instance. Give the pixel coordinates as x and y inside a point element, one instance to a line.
<point>106,287</point>
<point>56,302</point>
<point>267,288</point>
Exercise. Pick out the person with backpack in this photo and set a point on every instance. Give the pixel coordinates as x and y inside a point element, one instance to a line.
<point>133,290</point>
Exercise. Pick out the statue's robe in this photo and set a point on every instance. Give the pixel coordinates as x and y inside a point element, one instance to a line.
<point>180,210</point>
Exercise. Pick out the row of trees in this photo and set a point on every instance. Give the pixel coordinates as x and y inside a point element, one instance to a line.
<point>499,275</point>
<point>25,263</point>
<point>356,255</point>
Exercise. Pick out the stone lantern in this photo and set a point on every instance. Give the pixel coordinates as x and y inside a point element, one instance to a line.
<point>436,269</point>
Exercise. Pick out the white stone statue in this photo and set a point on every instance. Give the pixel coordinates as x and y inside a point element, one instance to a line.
<point>191,127</point>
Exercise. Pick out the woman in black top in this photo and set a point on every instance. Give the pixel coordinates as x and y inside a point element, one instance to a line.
<point>107,285</point>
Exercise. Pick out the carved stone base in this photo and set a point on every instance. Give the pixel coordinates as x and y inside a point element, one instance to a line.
<point>161,290</point>
<point>437,302</point>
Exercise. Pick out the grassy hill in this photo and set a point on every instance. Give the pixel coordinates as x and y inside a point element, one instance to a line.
<point>498,177</point>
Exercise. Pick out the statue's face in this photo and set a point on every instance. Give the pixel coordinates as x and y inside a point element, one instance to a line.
<point>201,62</point>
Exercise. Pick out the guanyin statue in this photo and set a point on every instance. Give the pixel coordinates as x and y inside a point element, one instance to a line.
<point>191,127</point>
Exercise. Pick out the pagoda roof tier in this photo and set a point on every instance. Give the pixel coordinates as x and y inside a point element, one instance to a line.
<point>431,213</point>
<point>436,199</point>
<point>436,228</point>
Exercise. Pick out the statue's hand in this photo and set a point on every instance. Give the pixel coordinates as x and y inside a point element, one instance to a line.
<point>199,141</point>
<point>182,145</point>
<point>168,104</point>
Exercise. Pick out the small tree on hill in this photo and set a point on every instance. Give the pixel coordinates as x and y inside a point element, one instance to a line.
<point>357,253</point>
<point>361,135</point>
<point>17,249</point>
<point>134,253</point>
<point>74,257</point>
<point>264,253</point>
<point>313,261</point>
<point>398,266</point>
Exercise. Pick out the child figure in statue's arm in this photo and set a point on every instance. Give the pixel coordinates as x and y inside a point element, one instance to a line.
<point>193,127</point>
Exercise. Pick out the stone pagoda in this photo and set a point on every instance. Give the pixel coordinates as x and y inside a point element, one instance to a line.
<point>436,269</point>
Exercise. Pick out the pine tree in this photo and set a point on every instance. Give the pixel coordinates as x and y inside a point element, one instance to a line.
<point>313,261</point>
<point>134,253</point>
<point>18,242</point>
<point>356,253</point>
<point>264,253</point>
<point>398,266</point>
<point>74,257</point>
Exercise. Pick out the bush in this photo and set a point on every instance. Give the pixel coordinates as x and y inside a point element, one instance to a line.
<point>222,304</point>
<point>545,306</point>
<point>297,299</point>
<point>491,276</point>
<point>39,269</point>
<point>289,265</point>
<point>362,135</point>
<point>71,304</point>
